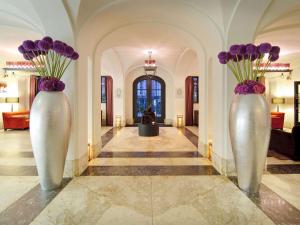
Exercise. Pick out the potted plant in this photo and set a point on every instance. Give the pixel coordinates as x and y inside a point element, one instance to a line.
<point>50,116</point>
<point>249,117</point>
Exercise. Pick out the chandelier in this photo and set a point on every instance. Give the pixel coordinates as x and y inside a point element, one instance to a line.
<point>150,66</point>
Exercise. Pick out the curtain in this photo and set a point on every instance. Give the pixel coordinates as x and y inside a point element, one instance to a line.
<point>32,89</point>
<point>189,101</point>
<point>109,101</point>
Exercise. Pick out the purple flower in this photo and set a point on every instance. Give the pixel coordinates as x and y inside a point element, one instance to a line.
<point>264,48</point>
<point>254,56</point>
<point>224,57</point>
<point>43,45</point>
<point>59,47</point>
<point>237,58</point>
<point>251,49</point>
<point>29,45</point>
<point>21,49</point>
<point>69,51</point>
<point>27,57</point>
<point>51,84</point>
<point>273,57</point>
<point>275,50</point>
<point>235,49</point>
<point>48,39</point>
<point>75,56</point>
<point>242,49</point>
<point>249,87</point>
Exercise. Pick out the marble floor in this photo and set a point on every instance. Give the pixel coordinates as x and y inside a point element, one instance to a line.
<point>137,180</point>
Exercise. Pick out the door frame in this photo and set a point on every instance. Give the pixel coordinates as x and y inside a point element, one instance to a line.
<point>163,95</point>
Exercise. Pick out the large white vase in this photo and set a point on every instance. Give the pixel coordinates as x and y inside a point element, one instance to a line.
<point>50,124</point>
<point>250,127</point>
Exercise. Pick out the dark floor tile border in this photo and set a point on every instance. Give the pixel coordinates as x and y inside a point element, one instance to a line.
<point>143,154</point>
<point>160,125</point>
<point>9,154</point>
<point>105,138</point>
<point>149,170</point>
<point>29,206</point>
<point>18,171</point>
<point>280,211</point>
<point>190,135</point>
<point>283,169</point>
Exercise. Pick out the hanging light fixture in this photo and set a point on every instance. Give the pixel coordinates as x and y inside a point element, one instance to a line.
<point>150,66</point>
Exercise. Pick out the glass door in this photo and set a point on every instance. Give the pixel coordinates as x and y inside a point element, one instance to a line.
<point>149,91</point>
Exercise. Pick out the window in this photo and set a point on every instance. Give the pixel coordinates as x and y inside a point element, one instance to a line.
<point>103,89</point>
<point>195,90</point>
<point>149,91</point>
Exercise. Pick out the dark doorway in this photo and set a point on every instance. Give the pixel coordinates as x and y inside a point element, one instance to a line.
<point>149,90</point>
<point>106,101</point>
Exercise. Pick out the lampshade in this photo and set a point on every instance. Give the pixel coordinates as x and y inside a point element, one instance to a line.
<point>278,100</point>
<point>12,99</point>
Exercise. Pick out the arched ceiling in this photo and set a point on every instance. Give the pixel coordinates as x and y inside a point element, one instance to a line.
<point>167,45</point>
<point>18,22</point>
<point>281,26</point>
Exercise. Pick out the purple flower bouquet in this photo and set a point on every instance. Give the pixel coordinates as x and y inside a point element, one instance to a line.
<point>51,59</point>
<point>242,58</point>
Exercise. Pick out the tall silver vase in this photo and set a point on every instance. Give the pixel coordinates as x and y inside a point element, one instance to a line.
<point>50,124</point>
<point>249,127</point>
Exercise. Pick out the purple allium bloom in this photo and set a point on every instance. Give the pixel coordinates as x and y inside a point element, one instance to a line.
<point>224,57</point>
<point>69,51</point>
<point>29,45</point>
<point>21,49</point>
<point>242,49</point>
<point>27,57</point>
<point>235,49</point>
<point>251,49</point>
<point>75,56</point>
<point>237,58</point>
<point>264,48</point>
<point>249,87</point>
<point>273,57</point>
<point>275,50</point>
<point>59,47</point>
<point>51,84</point>
<point>43,45</point>
<point>254,56</point>
<point>48,39</point>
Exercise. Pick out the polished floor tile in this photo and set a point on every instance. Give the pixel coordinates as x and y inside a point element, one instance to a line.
<point>193,129</point>
<point>212,200</point>
<point>28,206</point>
<point>149,154</point>
<point>148,161</point>
<point>205,200</point>
<point>17,161</point>
<point>101,201</point>
<point>12,188</point>
<point>285,185</point>
<point>149,170</point>
<point>170,139</point>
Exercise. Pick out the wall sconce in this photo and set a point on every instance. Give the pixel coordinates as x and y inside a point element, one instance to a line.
<point>118,121</point>
<point>209,150</point>
<point>90,152</point>
<point>179,120</point>
<point>278,101</point>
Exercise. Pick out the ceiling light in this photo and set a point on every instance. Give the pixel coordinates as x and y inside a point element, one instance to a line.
<point>150,65</point>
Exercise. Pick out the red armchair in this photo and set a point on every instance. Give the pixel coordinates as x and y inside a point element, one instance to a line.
<point>15,120</point>
<point>277,120</point>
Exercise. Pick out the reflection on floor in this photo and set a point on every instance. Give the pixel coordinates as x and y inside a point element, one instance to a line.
<point>105,129</point>
<point>138,180</point>
<point>193,129</point>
